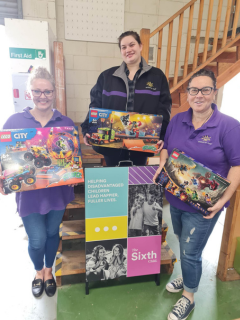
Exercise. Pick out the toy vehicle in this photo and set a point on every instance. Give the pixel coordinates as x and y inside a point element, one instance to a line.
<point>40,156</point>
<point>13,180</point>
<point>104,135</point>
<point>49,170</point>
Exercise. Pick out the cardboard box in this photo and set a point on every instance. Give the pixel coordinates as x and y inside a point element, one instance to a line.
<point>126,130</point>
<point>36,158</point>
<point>192,182</point>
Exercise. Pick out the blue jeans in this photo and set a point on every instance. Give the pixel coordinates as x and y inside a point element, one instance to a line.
<point>43,237</point>
<point>193,232</point>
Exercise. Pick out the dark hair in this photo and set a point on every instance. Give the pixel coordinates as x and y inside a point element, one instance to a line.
<point>204,73</point>
<point>96,251</point>
<point>134,34</point>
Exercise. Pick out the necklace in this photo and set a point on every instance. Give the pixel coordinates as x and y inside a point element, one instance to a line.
<point>206,119</point>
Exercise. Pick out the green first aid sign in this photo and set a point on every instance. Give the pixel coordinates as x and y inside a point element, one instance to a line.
<point>25,53</point>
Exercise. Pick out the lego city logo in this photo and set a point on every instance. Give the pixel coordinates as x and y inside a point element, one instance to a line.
<point>5,136</point>
<point>94,114</point>
<point>150,256</point>
<point>103,115</point>
<point>20,135</point>
<point>175,155</point>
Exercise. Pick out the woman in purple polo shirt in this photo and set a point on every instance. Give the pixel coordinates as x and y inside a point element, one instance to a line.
<point>41,210</point>
<point>187,131</point>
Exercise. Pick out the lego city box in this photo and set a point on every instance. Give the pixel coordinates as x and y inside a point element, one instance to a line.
<point>36,158</point>
<point>192,182</point>
<point>126,130</point>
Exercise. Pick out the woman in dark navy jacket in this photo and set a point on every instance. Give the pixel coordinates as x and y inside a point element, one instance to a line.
<point>134,87</point>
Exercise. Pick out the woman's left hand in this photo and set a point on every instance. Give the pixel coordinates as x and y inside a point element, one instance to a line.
<point>160,144</point>
<point>215,209</point>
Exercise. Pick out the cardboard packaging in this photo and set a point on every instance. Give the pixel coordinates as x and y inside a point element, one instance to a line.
<point>126,130</point>
<point>36,158</point>
<point>192,182</point>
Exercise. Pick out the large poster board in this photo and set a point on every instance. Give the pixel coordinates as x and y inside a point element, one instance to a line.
<point>123,222</point>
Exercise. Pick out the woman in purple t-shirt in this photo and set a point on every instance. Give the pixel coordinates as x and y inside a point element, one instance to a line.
<point>41,210</point>
<point>211,138</point>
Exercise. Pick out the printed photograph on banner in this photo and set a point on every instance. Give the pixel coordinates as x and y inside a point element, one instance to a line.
<point>145,205</point>
<point>106,259</point>
<point>143,256</point>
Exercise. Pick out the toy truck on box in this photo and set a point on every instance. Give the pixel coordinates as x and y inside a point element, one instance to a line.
<point>104,135</point>
<point>12,179</point>
<point>39,155</point>
<point>126,130</point>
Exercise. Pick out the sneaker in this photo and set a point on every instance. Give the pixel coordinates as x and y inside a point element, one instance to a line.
<point>176,285</point>
<point>182,309</point>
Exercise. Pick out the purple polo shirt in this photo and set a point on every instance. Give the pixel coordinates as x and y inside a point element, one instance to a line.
<point>215,144</point>
<point>41,200</point>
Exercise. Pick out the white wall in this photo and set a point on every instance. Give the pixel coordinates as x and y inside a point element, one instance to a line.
<point>84,61</point>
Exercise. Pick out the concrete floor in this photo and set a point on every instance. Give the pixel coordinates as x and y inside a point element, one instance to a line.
<point>137,298</point>
<point>17,301</point>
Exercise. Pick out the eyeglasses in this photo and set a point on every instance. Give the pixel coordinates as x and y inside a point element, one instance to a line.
<point>205,91</point>
<point>38,93</point>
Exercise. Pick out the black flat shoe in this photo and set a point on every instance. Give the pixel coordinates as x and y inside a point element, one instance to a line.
<point>37,287</point>
<point>50,287</point>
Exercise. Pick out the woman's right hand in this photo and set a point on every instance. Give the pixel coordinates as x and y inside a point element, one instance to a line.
<point>157,173</point>
<point>85,139</point>
<point>1,186</point>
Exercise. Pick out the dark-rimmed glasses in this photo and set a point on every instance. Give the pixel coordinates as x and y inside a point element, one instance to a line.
<point>38,93</point>
<point>205,91</point>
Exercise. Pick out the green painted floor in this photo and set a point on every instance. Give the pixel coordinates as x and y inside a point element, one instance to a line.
<point>139,298</point>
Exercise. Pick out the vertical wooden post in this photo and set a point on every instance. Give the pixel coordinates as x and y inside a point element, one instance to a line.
<point>198,34</point>
<point>59,77</point>
<point>145,38</point>
<point>225,271</point>
<point>159,52</point>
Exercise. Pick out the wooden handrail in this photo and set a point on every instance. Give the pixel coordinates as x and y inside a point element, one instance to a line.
<point>210,59</point>
<point>204,59</point>
<point>215,41</point>
<point>172,18</point>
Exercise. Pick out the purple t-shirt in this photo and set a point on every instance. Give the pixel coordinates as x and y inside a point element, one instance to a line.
<point>215,144</point>
<point>41,200</point>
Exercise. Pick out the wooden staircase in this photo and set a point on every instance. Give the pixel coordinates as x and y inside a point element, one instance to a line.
<point>222,56</point>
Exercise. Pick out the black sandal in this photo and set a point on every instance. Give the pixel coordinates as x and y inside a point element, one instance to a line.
<point>37,287</point>
<point>50,287</point>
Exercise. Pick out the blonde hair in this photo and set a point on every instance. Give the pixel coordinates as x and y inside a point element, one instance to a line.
<point>40,73</point>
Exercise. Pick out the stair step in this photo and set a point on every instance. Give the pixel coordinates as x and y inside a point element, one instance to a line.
<point>74,229</point>
<point>211,64</point>
<point>228,56</point>
<point>78,202</point>
<point>70,264</point>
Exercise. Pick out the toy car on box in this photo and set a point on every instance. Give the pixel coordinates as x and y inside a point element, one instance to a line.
<point>127,130</point>
<point>40,158</point>
<point>192,182</point>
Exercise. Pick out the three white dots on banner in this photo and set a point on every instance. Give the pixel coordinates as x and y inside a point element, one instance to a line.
<point>114,228</point>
